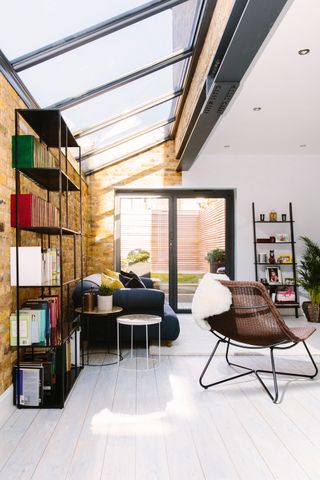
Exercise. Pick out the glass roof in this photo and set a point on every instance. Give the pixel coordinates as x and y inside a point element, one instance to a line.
<point>99,62</point>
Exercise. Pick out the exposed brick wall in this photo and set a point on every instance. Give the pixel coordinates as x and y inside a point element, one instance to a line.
<point>154,168</point>
<point>219,20</point>
<point>9,101</point>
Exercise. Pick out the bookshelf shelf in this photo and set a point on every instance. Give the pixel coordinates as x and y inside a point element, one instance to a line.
<point>51,230</point>
<point>49,179</point>
<point>57,357</point>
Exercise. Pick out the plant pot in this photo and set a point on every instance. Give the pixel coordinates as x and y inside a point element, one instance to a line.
<point>105,303</point>
<point>311,311</point>
<point>214,266</point>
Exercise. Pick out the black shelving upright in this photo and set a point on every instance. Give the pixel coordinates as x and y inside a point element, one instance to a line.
<point>293,264</point>
<point>53,131</point>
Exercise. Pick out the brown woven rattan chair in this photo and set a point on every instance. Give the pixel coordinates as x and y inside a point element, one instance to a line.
<point>254,322</point>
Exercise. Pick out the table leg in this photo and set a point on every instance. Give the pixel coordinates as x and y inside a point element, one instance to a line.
<point>118,342</point>
<point>159,340</point>
<point>88,340</point>
<point>131,340</point>
<point>147,346</point>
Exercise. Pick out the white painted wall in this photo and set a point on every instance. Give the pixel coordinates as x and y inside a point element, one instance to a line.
<point>271,182</point>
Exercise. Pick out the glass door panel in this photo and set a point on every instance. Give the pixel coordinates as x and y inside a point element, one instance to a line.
<point>144,238</point>
<point>201,227</point>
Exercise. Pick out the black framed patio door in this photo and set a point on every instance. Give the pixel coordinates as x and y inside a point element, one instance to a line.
<point>166,234</point>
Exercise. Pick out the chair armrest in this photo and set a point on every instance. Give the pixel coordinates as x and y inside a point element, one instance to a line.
<point>139,300</point>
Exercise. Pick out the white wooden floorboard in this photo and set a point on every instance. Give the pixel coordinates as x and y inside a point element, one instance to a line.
<point>13,431</point>
<point>88,456</point>
<point>119,458</point>
<point>6,406</point>
<point>23,461</point>
<point>58,453</point>
<point>280,461</point>
<point>286,427</point>
<point>215,459</point>
<point>183,460</point>
<point>151,454</point>
<point>245,455</point>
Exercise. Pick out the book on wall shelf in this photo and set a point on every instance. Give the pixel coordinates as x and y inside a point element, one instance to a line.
<point>43,328</point>
<point>276,268</point>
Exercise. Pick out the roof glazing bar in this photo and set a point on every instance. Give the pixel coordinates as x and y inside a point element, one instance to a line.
<point>92,33</point>
<point>124,116</point>
<point>153,127</point>
<point>126,157</point>
<point>119,82</point>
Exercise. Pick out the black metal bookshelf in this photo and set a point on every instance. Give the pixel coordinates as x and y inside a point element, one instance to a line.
<point>259,273</point>
<point>52,130</point>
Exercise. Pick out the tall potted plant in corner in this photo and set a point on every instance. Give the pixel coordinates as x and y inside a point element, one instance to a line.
<point>216,257</point>
<point>105,298</point>
<point>309,278</point>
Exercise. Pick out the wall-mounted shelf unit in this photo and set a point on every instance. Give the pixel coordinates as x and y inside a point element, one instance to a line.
<point>59,353</point>
<point>286,287</point>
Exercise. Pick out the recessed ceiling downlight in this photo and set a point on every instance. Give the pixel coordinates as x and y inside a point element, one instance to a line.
<point>226,146</point>
<point>257,109</point>
<point>303,145</point>
<point>304,51</point>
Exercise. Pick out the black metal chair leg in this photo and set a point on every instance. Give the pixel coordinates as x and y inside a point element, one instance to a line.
<point>226,379</point>
<point>274,397</point>
<point>312,360</point>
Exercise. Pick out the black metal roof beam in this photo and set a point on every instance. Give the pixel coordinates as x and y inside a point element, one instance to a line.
<point>245,38</point>
<point>92,33</point>
<point>126,157</point>
<point>119,82</point>
<point>124,116</point>
<point>96,151</point>
<point>15,81</point>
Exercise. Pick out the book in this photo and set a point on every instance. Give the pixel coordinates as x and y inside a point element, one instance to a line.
<point>25,329</point>
<point>28,385</point>
<point>30,266</point>
<point>31,153</point>
<point>33,211</point>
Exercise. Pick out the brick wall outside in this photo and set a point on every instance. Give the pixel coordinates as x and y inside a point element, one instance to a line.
<point>9,101</point>
<point>154,168</point>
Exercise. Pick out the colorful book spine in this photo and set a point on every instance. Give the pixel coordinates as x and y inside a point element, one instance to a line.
<point>33,211</point>
<point>28,152</point>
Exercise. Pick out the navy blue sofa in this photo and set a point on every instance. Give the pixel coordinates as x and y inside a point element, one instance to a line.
<point>133,300</point>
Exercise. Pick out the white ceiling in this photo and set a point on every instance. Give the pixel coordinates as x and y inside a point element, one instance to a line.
<point>286,87</point>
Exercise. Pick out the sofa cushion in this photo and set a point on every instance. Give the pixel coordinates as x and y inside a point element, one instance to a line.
<point>111,282</point>
<point>131,280</point>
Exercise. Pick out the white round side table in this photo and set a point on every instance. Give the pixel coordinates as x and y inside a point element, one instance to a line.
<point>135,320</point>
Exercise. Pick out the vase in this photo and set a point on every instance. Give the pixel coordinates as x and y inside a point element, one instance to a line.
<point>311,311</point>
<point>105,303</point>
<point>215,265</point>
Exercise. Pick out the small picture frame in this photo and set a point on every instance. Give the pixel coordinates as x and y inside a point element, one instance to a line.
<point>288,279</point>
<point>273,275</point>
<point>286,295</point>
<point>282,237</point>
<point>284,258</point>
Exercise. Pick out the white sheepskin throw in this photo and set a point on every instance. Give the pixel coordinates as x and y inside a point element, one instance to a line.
<point>210,298</point>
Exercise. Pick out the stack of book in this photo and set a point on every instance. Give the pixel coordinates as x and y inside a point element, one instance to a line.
<point>31,153</point>
<point>33,211</point>
<point>28,384</point>
<point>37,267</point>
<point>38,322</point>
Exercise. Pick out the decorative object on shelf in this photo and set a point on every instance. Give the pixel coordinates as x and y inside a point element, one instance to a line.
<point>89,301</point>
<point>105,298</point>
<point>284,258</point>
<point>286,294</point>
<point>282,237</point>
<point>273,216</point>
<point>262,257</point>
<point>263,240</point>
<point>273,275</point>
<point>272,258</point>
<point>309,278</point>
<point>262,217</point>
<point>287,258</point>
<point>216,257</point>
<point>284,217</point>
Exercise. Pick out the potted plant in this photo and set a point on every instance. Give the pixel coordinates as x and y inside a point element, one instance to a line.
<point>105,298</point>
<point>216,257</point>
<point>309,278</point>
